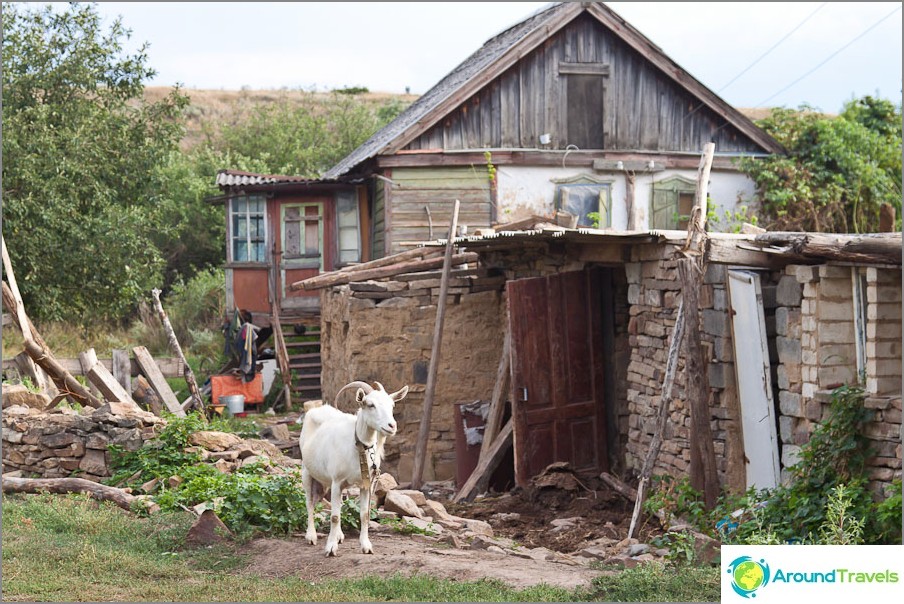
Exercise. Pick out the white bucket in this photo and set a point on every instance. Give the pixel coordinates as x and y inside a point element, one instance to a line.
<point>235,403</point>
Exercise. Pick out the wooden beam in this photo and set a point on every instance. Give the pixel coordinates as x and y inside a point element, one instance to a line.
<point>157,381</point>
<point>122,369</point>
<point>411,266</point>
<point>497,403</point>
<point>480,477</point>
<point>420,453</point>
<point>108,386</point>
<point>170,367</point>
<point>177,349</point>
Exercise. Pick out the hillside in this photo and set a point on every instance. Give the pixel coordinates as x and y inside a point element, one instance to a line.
<point>210,108</point>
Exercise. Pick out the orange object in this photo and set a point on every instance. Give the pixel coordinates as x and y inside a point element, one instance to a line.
<point>225,385</point>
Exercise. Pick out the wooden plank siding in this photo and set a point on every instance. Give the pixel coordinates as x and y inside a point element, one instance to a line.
<point>643,108</point>
<point>416,190</point>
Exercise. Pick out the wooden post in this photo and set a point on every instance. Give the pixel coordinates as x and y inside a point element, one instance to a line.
<point>480,477</point>
<point>112,390</point>
<point>177,350</point>
<point>629,200</point>
<point>420,453</point>
<point>122,369</point>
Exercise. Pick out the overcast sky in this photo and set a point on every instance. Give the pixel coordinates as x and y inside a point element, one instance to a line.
<point>752,54</point>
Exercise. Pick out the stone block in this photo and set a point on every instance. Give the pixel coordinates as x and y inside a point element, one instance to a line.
<point>790,404</point>
<point>788,292</point>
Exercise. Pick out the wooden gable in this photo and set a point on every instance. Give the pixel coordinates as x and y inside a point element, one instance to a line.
<point>585,86</point>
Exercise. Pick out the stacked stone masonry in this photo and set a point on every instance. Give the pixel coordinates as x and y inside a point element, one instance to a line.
<point>65,443</point>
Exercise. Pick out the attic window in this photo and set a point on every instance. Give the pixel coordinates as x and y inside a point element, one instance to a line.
<point>587,198</point>
<point>584,88</point>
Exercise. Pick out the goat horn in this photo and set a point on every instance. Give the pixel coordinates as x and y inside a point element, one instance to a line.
<point>363,385</point>
<point>380,386</point>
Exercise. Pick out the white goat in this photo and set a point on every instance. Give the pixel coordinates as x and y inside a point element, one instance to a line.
<point>339,449</point>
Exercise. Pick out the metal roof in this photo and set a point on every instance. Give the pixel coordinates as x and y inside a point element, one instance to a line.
<point>237,178</point>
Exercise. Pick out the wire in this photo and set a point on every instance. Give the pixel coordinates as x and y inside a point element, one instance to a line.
<point>831,56</point>
<point>774,46</point>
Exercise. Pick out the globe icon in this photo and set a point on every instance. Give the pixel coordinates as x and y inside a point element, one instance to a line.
<point>748,575</point>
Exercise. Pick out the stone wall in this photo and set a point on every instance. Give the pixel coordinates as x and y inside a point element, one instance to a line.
<point>816,334</point>
<point>383,331</point>
<point>64,443</point>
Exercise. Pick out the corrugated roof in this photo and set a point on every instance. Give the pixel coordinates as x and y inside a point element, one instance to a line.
<point>237,178</point>
<point>556,14</point>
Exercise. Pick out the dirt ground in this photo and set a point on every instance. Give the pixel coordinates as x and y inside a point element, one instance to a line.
<point>525,516</point>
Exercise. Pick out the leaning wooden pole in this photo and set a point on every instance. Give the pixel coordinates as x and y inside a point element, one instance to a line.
<point>35,346</point>
<point>197,401</point>
<point>420,452</point>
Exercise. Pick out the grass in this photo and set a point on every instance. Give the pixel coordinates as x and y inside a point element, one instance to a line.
<point>70,548</point>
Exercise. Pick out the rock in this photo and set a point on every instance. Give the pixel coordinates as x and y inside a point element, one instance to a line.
<point>637,549</point>
<point>566,522</point>
<point>427,526</point>
<point>230,455</point>
<point>124,411</point>
<point>214,441</point>
<point>174,481</point>
<point>385,482</point>
<point>506,517</point>
<point>277,432</point>
<point>596,553</point>
<point>416,496</point>
<point>496,550</point>
<point>706,549</point>
<point>150,485</point>
<point>263,447</point>
<point>207,530</point>
<point>478,526</point>
<point>453,540</point>
<point>402,504</point>
<point>438,511</point>
<point>626,543</point>
<point>223,466</point>
<point>17,394</point>
<point>94,462</point>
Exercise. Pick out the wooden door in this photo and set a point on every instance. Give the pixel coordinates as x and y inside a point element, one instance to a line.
<point>557,373</point>
<point>748,328</point>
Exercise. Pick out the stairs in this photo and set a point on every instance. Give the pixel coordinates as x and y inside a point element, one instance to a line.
<point>302,337</point>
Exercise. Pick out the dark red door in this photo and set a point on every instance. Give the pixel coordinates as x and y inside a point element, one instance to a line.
<point>557,373</point>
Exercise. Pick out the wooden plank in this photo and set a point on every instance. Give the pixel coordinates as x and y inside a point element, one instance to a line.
<point>169,366</point>
<point>500,390</point>
<point>420,453</point>
<point>101,377</point>
<point>480,477</point>
<point>157,381</point>
<point>122,369</point>
<point>337,278</point>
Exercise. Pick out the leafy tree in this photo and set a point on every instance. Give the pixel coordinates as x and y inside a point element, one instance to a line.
<point>303,138</point>
<point>838,172</point>
<point>81,157</point>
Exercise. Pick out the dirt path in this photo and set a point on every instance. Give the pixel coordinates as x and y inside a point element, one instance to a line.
<point>408,555</point>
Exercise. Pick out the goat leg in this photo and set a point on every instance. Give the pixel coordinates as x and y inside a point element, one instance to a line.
<point>364,503</point>
<point>306,483</point>
<point>336,536</point>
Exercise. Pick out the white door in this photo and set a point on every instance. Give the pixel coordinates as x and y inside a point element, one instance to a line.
<point>751,355</point>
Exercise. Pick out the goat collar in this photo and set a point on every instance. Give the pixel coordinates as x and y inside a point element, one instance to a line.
<point>365,452</point>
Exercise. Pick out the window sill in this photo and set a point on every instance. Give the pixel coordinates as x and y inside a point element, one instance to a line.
<point>246,265</point>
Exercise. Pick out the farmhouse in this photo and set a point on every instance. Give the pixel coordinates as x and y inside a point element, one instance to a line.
<point>571,145</point>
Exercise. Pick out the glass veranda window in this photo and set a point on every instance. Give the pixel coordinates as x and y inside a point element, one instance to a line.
<point>248,229</point>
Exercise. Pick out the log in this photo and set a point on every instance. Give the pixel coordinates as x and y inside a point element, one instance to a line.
<point>625,490</point>
<point>73,485</point>
<point>696,388</point>
<point>157,381</point>
<point>411,266</point>
<point>418,253</point>
<point>177,350</point>
<point>420,453</point>
<point>869,247</point>
<point>480,477</point>
<point>497,403</point>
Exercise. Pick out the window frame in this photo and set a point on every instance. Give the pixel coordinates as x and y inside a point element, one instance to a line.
<point>350,197</point>
<point>303,260</point>
<point>246,216</point>
<point>563,186</point>
<point>670,189</point>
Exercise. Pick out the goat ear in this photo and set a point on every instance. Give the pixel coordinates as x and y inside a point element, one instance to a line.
<point>359,396</point>
<point>397,396</point>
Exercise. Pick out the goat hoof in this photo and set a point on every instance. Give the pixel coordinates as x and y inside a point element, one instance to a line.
<point>367,548</point>
<point>311,538</point>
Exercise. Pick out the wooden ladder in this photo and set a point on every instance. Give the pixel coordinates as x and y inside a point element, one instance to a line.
<point>304,358</point>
